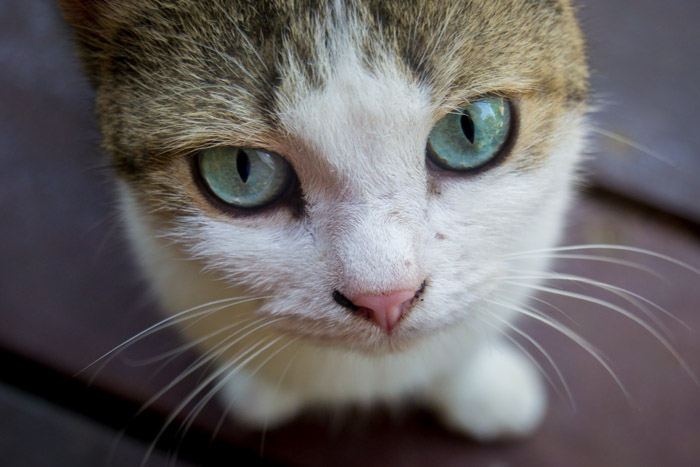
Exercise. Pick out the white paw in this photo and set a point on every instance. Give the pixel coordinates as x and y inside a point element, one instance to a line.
<point>256,403</point>
<point>497,395</point>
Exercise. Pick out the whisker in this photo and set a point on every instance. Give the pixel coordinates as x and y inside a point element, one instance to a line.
<point>555,308</point>
<point>189,345</point>
<point>602,259</point>
<point>206,358</point>
<point>175,319</point>
<point>277,386</point>
<point>604,246</point>
<point>541,349</point>
<point>639,147</point>
<point>623,312</point>
<point>621,292</point>
<point>181,406</point>
<point>160,368</point>
<point>196,410</point>
<point>564,330</point>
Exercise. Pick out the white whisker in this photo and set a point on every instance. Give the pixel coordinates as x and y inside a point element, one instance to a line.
<point>541,349</point>
<point>604,246</point>
<point>564,330</point>
<point>228,372</point>
<point>210,356</point>
<point>555,308</point>
<point>206,359</point>
<point>277,387</point>
<point>175,319</point>
<point>191,344</point>
<point>623,312</point>
<point>598,258</point>
<point>181,406</point>
<point>189,420</point>
<point>621,292</point>
<point>639,147</point>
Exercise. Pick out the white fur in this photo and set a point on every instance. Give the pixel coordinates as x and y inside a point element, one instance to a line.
<point>497,394</point>
<point>357,145</point>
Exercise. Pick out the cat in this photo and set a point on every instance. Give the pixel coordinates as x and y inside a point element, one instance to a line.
<point>328,197</point>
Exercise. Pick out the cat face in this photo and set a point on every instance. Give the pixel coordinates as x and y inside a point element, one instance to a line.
<point>348,97</point>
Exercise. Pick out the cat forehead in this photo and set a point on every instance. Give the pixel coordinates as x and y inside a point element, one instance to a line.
<point>361,128</point>
<point>356,108</point>
<point>180,76</point>
<point>461,49</point>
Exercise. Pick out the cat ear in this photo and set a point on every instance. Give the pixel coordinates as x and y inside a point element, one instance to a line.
<point>95,23</point>
<point>97,18</point>
<point>83,14</point>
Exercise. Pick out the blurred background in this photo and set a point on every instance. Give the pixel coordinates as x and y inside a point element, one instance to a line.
<point>69,291</point>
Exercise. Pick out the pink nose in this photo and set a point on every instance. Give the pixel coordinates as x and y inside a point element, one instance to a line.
<point>385,310</point>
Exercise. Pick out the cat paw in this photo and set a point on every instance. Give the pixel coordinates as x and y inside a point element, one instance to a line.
<point>257,404</point>
<point>499,395</point>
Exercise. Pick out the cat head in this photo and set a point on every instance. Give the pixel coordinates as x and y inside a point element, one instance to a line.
<point>365,166</point>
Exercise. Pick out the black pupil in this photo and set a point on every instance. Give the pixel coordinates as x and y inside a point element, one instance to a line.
<point>467,127</point>
<point>243,165</point>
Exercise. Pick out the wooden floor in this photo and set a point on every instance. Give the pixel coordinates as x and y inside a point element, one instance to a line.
<point>69,292</point>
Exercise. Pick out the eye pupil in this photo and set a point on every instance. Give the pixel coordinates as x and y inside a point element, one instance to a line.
<point>467,127</point>
<point>245,178</point>
<point>466,140</point>
<point>243,165</point>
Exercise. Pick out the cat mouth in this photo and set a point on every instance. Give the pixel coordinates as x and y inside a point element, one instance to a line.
<point>360,334</point>
<point>376,344</point>
<point>372,324</point>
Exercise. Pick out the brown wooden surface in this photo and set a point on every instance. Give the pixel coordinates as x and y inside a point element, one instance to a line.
<point>69,291</point>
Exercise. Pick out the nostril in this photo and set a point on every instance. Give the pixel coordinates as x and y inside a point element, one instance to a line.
<point>344,301</point>
<point>420,290</point>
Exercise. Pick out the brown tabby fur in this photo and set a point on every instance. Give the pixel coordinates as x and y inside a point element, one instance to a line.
<point>173,77</point>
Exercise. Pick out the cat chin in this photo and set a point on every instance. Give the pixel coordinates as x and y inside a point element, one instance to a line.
<point>371,344</point>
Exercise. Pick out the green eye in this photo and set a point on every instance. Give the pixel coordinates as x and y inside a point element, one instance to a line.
<point>469,139</point>
<point>244,178</point>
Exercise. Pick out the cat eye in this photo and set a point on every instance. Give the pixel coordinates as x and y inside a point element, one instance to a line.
<point>243,177</point>
<point>472,137</point>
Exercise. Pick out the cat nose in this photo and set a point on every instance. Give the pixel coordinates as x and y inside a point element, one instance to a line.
<point>384,310</point>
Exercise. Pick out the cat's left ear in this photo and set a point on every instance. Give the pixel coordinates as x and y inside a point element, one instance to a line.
<point>95,22</point>
<point>85,15</point>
